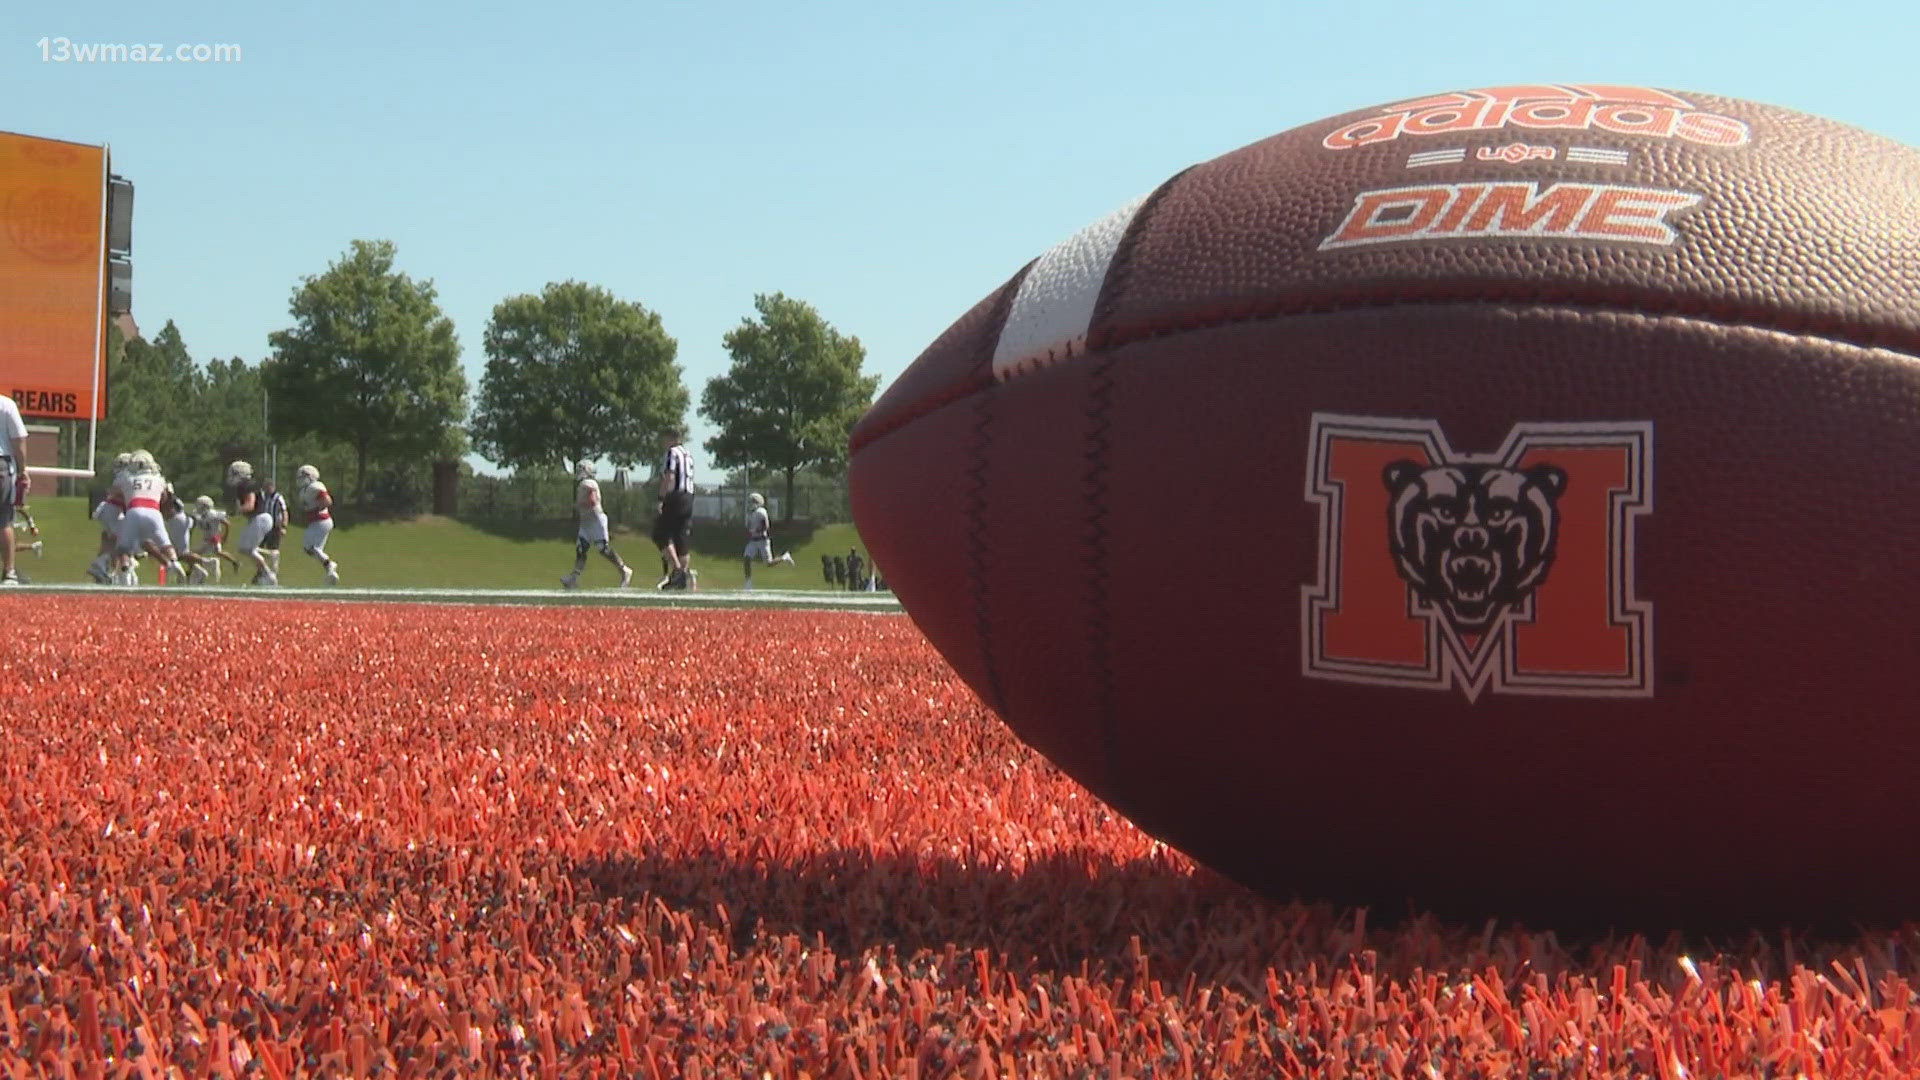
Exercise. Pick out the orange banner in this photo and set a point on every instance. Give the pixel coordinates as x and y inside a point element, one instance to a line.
<point>51,292</point>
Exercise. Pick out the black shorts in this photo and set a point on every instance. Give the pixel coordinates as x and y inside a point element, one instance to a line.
<point>6,492</point>
<point>272,540</point>
<point>674,525</point>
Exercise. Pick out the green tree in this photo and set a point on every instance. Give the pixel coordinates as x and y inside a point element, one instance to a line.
<point>575,374</point>
<point>152,389</point>
<point>792,395</point>
<point>232,421</point>
<point>369,361</point>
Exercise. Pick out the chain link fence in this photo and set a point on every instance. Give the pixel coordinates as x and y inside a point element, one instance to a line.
<point>630,503</point>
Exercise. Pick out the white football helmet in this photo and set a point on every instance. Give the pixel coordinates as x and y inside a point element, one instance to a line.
<point>203,504</point>
<point>239,470</point>
<point>141,461</point>
<point>306,476</point>
<point>120,462</point>
<point>756,501</point>
<point>583,471</point>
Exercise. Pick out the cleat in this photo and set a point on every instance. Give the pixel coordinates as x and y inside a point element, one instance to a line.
<point>626,576</point>
<point>569,581</point>
<point>787,559</point>
<point>333,573</point>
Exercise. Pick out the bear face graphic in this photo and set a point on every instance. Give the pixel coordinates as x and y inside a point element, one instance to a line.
<point>1473,539</point>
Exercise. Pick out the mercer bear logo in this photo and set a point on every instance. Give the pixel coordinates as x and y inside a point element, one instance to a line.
<point>1510,571</point>
<point>1472,540</point>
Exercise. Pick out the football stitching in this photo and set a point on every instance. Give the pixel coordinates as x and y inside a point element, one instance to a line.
<point>1094,482</point>
<point>1098,575</point>
<point>976,498</point>
<point>977,544</point>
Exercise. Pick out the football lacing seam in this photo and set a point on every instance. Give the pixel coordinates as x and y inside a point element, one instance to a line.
<point>977,544</point>
<point>1098,573</point>
<point>1094,483</point>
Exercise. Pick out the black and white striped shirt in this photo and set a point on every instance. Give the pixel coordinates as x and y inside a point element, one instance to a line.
<point>677,470</point>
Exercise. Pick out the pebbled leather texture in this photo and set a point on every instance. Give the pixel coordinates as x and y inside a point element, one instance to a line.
<point>1041,526</point>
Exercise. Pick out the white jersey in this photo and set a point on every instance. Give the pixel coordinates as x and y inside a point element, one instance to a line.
<point>593,516</point>
<point>310,502</point>
<point>144,489</point>
<point>211,524</point>
<point>142,524</point>
<point>759,542</point>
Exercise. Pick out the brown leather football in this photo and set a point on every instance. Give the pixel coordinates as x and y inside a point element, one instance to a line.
<point>1504,503</point>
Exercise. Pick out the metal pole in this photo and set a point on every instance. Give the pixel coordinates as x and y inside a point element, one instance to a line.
<point>100,312</point>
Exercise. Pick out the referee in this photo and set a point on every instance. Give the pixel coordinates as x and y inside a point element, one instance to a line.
<point>673,523</point>
<point>277,507</point>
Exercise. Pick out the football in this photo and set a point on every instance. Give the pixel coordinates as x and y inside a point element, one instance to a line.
<point>1503,503</point>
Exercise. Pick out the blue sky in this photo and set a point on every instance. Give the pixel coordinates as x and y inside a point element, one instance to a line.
<point>890,163</point>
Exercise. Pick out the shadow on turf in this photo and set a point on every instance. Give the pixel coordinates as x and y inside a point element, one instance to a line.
<point>1063,912</point>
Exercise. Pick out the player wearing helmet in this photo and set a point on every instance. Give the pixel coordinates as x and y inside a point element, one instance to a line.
<point>143,529</point>
<point>760,539</point>
<point>108,513</point>
<point>590,528</point>
<point>316,505</point>
<point>250,506</point>
<point>212,523</point>
<point>180,535</point>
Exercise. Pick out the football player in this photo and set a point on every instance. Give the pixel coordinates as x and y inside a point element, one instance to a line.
<point>316,505</point>
<point>108,513</point>
<point>142,528</point>
<point>212,523</point>
<point>250,506</point>
<point>590,528</point>
<point>180,535</point>
<point>760,539</point>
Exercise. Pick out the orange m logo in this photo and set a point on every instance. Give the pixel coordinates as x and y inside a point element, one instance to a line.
<point>1511,571</point>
